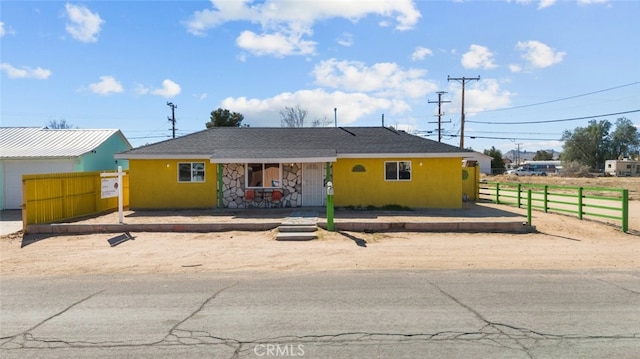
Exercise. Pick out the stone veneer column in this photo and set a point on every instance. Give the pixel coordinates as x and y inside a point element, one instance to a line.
<point>292,185</point>
<point>233,185</point>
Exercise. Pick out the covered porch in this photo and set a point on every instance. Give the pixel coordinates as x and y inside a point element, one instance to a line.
<point>277,181</point>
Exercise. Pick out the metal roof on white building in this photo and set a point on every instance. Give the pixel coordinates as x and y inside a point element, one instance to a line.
<point>36,142</point>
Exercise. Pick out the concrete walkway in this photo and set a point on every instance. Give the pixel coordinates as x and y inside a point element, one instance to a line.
<point>473,217</point>
<point>10,221</point>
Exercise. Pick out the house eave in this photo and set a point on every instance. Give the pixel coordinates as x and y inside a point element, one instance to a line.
<point>274,160</point>
<point>404,155</point>
<point>289,159</point>
<point>124,156</point>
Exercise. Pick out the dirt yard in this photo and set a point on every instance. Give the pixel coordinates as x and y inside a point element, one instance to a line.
<point>562,242</point>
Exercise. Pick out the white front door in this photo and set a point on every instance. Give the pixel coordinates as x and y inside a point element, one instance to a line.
<point>313,191</point>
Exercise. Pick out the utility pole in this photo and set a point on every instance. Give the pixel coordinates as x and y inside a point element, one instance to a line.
<point>463,80</point>
<point>440,102</point>
<point>172,119</point>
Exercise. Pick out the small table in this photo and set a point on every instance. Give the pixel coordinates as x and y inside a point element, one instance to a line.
<point>266,197</point>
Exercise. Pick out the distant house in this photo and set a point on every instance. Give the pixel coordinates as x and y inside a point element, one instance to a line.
<point>622,168</point>
<point>35,150</point>
<point>483,161</point>
<point>235,167</point>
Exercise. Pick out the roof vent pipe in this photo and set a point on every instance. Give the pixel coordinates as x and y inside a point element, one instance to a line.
<point>335,116</point>
<point>383,120</point>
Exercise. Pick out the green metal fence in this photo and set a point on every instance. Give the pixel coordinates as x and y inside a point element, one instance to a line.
<point>609,203</point>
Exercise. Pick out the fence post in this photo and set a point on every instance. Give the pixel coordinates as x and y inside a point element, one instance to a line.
<point>497,192</point>
<point>519,189</point>
<point>477,179</point>
<point>529,206</point>
<point>580,203</point>
<point>120,197</point>
<point>625,210</point>
<point>545,198</point>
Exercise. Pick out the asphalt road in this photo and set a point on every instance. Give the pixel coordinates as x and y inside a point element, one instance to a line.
<point>424,314</point>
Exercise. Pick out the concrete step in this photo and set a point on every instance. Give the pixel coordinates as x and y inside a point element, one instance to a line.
<point>298,228</point>
<point>296,236</point>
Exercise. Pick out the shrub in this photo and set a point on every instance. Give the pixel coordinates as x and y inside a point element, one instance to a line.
<point>574,169</point>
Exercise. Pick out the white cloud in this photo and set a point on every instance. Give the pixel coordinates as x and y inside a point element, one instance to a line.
<point>351,107</point>
<point>284,23</point>
<point>5,30</point>
<point>420,53</point>
<point>589,2</point>
<point>25,72</point>
<point>141,89</point>
<point>478,57</point>
<point>277,44</point>
<point>515,68</point>
<point>543,4</point>
<point>277,12</point>
<point>169,89</point>
<point>346,39</point>
<point>242,57</point>
<point>83,24</point>
<point>201,96</point>
<point>481,95</point>
<point>107,85</point>
<point>539,55</point>
<point>382,79</point>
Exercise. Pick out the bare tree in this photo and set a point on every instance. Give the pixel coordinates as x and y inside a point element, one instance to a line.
<point>293,116</point>
<point>59,125</point>
<point>321,122</point>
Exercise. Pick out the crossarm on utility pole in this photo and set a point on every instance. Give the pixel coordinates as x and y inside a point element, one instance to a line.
<point>463,80</point>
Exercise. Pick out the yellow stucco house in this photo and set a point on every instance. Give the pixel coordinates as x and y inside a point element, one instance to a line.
<point>238,167</point>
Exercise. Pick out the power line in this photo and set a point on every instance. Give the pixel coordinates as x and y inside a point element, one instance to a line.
<point>530,133</point>
<point>551,121</point>
<point>516,138</point>
<point>451,136</point>
<point>558,100</point>
<point>142,137</point>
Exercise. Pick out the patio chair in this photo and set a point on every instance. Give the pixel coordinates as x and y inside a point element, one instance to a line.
<point>249,198</point>
<point>276,199</point>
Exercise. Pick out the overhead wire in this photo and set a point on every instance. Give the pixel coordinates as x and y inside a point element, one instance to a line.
<point>552,121</point>
<point>557,100</point>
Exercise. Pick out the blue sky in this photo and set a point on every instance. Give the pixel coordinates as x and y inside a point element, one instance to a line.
<point>116,64</point>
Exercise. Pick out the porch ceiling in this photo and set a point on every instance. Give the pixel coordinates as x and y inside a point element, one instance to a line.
<point>274,155</point>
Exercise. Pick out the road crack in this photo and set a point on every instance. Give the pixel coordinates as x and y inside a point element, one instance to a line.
<point>26,336</point>
<point>618,286</point>
<point>514,338</point>
<point>491,333</point>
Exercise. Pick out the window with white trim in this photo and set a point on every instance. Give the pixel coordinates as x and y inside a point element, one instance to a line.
<point>263,175</point>
<point>191,172</point>
<point>397,171</point>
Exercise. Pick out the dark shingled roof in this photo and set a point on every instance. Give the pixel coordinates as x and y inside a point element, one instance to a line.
<point>221,143</point>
